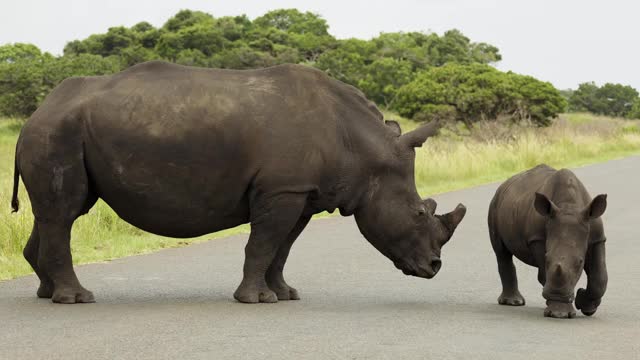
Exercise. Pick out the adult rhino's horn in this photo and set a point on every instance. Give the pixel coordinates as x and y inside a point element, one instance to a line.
<point>418,136</point>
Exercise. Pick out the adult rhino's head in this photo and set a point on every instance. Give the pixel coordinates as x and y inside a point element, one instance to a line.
<point>394,219</point>
<point>567,241</point>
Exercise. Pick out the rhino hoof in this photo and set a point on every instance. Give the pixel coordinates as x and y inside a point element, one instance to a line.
<point>290,294</point>
<point>254,297</point>
<point>559,310</point>
<point>584,304</point>
<point>45,291</point>
<point>514,299</point>
<point>72,296</point>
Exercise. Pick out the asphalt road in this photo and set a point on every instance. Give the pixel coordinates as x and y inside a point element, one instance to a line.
<point>177,303</point>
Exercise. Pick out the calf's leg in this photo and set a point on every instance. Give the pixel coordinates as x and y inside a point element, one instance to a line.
<point>588,300</point>
<point>510,294</point>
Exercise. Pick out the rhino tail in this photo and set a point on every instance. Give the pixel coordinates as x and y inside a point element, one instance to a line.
<point>15,203</point>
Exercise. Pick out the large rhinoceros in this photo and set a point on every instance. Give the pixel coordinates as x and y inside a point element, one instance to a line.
<point>547,219</point>
<point>182,151</point>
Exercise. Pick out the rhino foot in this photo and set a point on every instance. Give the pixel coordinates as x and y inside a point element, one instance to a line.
<point>45,291</point>
<point>286,293</point>
<point>72,296</point>
<point>255,295</point>
<point>585,304</point>
<point>560,310</point>
<point>511,298</point>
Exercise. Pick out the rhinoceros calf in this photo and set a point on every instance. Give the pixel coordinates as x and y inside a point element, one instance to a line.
<point>182,151</point>
<point>546,218</point>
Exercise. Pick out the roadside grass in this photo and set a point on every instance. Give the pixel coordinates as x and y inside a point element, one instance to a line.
<point>493,152</point>
<point>456,159</point>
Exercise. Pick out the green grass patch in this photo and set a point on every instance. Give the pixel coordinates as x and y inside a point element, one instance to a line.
<point>458,158</point>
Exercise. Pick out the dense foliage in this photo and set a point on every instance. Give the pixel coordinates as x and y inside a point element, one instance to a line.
<point>609,99</point>
<point>475,92</point>
<point>420,74</point>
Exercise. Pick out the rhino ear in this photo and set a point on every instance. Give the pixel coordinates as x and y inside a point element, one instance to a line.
<point>597,207</point>
<point>394,126</point>
<point>418,136</point>
<point>430,205</point>
<point>544,206</point>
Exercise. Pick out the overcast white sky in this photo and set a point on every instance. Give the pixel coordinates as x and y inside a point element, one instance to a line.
<point>565,42</point>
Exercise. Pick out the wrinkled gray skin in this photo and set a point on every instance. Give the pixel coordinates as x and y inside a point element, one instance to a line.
<point>546,218</point>
<point>181,151</point>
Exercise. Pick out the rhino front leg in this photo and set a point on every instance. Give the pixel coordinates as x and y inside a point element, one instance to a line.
<point>595,266</point>
<point>275,278</point>
<point>272,220</point>
<point>510,294</point>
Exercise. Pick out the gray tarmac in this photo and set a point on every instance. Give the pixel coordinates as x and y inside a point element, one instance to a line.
<point>178,304</point>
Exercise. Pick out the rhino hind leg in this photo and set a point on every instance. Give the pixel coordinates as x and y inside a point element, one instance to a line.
<point>272,220</point>
<point>274,277</point>
<point>31,249</point>
<point>59,190</point>
<point>55,259</point>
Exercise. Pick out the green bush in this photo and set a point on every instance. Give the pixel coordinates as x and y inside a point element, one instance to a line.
<point>475,92</point>
<point>425,75</point>
<point>27,75</point>
<point>609,99</point>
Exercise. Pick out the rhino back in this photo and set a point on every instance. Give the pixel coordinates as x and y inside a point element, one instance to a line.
<point>189,144</point>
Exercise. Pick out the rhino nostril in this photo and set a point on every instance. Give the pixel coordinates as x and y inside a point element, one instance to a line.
<point>436,265</point>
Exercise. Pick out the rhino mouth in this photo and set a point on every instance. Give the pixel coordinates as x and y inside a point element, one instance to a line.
<point>565,296</point>
<point>425,270</point>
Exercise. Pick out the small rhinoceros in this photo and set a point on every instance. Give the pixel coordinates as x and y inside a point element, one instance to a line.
<point>546,218</point>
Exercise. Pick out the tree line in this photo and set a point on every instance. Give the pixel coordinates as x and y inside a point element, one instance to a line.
<point>420,75</point>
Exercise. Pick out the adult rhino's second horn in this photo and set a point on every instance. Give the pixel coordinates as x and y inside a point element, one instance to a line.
<point>418,136</point>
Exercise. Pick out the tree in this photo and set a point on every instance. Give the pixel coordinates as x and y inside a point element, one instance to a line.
<point>28,75</point>
<point>307,32</point>
<point>585,98</point>
<point>478,92</point>
<point>383,79</point>
<point>186,18</point>
<point>618,99</point>
<point>610,99</point>
<point>381,67</point>
<point>21,73</point>
<point>634,113</point>
<point>348,60</point>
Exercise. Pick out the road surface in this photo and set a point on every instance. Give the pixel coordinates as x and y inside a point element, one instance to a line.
<point>177,303</point>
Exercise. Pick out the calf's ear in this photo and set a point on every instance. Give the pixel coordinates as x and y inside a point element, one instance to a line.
<point>544,206</point>
<point>597,207</point>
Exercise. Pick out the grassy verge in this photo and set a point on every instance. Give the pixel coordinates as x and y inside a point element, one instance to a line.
<point>493,152</point>
<point>458,158</point>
